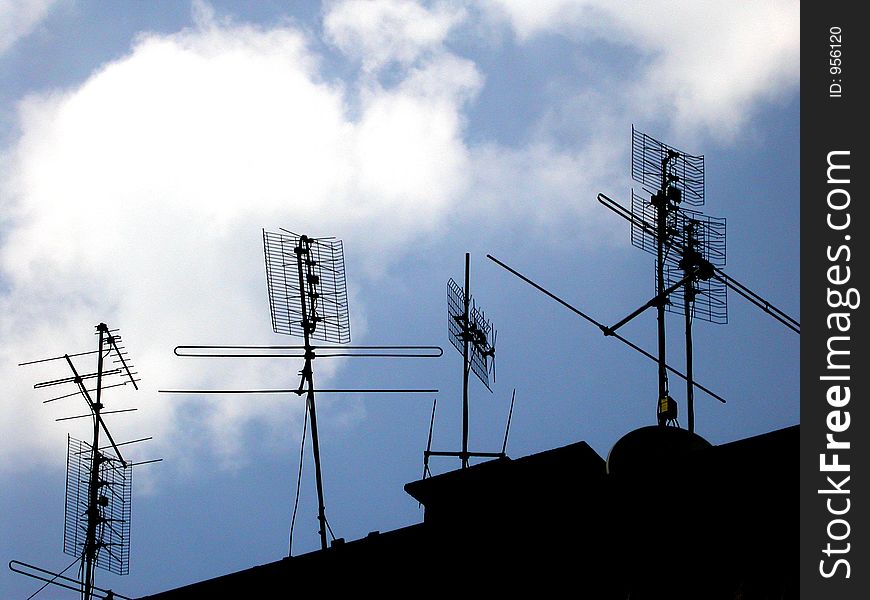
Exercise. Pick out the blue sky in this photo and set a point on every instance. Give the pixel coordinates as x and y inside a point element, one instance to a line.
<point>143,146</point>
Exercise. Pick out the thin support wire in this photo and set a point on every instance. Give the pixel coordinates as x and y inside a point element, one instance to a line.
<point>50,581</point>
<point>298,480</point>
<point>329,529</point>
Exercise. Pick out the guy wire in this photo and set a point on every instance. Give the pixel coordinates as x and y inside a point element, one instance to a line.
<point>298,479</point>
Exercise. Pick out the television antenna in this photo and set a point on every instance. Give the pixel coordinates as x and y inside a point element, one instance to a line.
<point>98,479</point>
<point>689,249</point>
<point>474,336</point>
<point>307,298</point>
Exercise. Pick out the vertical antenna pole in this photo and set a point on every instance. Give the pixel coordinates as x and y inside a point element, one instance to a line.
<point>690,398</point>
<point>308,325</point>
<point>688,299</point>
<point>466,364</point>
<point>661,204</point>
<point>90,549</point>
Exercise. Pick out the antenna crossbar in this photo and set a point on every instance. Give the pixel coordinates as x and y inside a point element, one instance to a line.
<point>216,351</point>
<point>300,391</point>
<point>75,379</point>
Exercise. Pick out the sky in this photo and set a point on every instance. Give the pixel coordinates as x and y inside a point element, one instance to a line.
<point>145,145</point>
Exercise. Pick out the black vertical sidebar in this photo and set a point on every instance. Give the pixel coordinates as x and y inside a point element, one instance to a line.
<point>835,421</point>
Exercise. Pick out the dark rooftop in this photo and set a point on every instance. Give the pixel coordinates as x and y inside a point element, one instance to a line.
<point>673,517</point>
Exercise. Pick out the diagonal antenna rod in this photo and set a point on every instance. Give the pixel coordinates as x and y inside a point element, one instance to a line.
<point>426,471</point>
<point>507,429</point>
<point>719,274</point>
<point>658,300</point>
<point>600,326</point>
<point>60,580</point>
<point>96,408</point>
<point>114,344</point>
<point>758,301</point>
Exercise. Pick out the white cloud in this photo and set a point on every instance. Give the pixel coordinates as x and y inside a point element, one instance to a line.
<point>18,18</point>
<point>705,64</point>
<point>137,198</point>
<point>378,33</point>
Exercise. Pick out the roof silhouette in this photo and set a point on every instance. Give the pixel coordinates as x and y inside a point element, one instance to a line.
<point>693,520</point>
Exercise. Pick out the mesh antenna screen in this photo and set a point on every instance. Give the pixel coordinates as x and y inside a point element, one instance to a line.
<point>710,301</point>
<point>647,154</point>
<point>322,271</point>
<point>707,232</point>
<point>114,500</point>
<point>706,235</point>
<point>643,229</point>
<point>479,331</point>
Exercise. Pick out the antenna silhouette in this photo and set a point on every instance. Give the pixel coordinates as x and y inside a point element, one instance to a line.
<point>660,224</point>
<point>689,249</point>
<point>669,176</point>
<point>99,478</point>
<point>307,297</point>
<point>313,259</point>
<point>473,335</point>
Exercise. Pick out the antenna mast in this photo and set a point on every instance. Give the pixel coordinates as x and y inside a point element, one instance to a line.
<point>321,292</point>
<point>670,177</point>
<point>99,479</point>
<point>307,298</point>
<point>472,334</point>
<point>689,248</point>
<point>466,364</point>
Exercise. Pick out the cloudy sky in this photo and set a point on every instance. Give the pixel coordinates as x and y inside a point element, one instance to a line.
<point>144,146</point>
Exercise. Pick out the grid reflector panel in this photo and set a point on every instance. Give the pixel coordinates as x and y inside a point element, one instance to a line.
<point>114,499</point>
<point>322,283</point>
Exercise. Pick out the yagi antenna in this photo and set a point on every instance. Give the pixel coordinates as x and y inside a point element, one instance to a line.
<point>98,480</point>
<point>474,336</point>
<point>307,292</point>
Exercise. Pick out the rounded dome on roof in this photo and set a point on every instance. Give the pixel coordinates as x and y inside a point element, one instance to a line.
<point>650,450</point>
